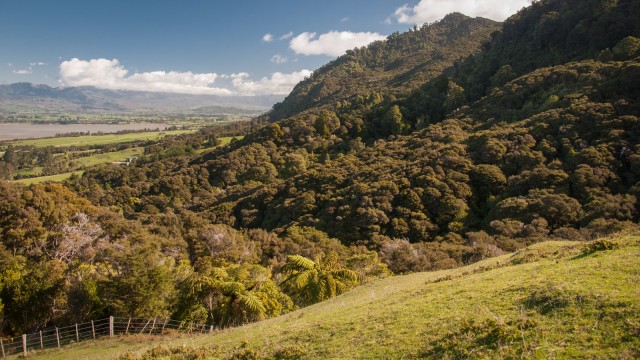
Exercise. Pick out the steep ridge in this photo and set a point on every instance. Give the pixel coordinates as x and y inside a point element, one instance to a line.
<point>549,33</point>
<point>395,66</point>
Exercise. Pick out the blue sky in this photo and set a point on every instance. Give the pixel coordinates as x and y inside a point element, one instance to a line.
<point>223,47</point>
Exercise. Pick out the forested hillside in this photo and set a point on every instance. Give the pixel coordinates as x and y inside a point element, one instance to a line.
<point>446,158</point>
<point>395,66</point>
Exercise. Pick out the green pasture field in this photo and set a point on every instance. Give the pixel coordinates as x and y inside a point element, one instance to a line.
<point>51,178</point>
<point>109,157</point>
<point>98,139</point>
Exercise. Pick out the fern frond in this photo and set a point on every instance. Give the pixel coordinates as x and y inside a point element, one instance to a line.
<point>299,263</point>
<point>252,303</point>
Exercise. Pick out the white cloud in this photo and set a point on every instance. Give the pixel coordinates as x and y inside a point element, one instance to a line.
<point>277,84</point>
<point>333,43</point>
<point>24,72</point>
<point>110,74</point>
<point>279,59</point>
<point>267,37</point>
<point>432,10</point>
<point>39,63</point>
<point>286,36</point>
<point>344,19</point>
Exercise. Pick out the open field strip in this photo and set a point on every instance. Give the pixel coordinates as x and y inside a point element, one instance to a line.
<point>109,157</point>
<point>52,178</point>
<point>98,139</point>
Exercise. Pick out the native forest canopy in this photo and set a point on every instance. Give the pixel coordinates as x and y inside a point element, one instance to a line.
<point>438,147</point>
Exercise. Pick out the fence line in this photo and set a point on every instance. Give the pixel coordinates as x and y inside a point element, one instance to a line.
<point>61,336</point>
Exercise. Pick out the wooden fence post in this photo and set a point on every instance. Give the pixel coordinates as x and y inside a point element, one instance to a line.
<point>145,326</point>
<point>126,332</point>
<point>164,323</point>
<point>153,325</point>
<point>77,334</point>
<point>41,344</point>
<point>110,326</point>
<point>24,344</point>
<point>93,330</point>
<point>211,329</point>
<point>2,346</point>
<point>58,337</point>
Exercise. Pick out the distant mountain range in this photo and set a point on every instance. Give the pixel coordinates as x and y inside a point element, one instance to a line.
<point>37,97</point>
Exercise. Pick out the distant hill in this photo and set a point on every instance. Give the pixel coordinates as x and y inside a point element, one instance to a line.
<point>27,97</point>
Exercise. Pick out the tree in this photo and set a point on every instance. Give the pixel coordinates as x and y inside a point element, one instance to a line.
<point>627,49</point>
<point>142,285</point>
<point>309,282</point>
<point>393,120</point>
<point>226,294</point>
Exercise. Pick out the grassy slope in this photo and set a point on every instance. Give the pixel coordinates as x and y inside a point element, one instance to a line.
<point>550,300</point>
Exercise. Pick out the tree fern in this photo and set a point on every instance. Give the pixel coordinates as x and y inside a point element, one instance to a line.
<point>309,281</point>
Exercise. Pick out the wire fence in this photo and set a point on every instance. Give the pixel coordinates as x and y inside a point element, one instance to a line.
<point>109,327</point>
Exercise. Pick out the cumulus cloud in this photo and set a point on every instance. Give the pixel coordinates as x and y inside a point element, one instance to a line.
<point>432,10</point>
<point>333,43</point>
<point>279,59</point>
<point>24,71</point>
<point>344,19</point>
<point>286,36</point>
<point>110,74</point>
<point>267,37</point>
<point>277,84</point>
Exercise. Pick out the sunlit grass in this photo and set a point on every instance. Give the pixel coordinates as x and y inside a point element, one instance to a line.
<point>98,139</point>
<point>552,300</point>
<point>109,157</point>
<point>51,178</point>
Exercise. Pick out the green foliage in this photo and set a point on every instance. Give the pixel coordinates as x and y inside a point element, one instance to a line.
<point>558,304</point>
<point>226,294</point>
<point>309,282</point>
<point>398,65</point>
<point>627,49</point>
<point>142,286</point>
<point>600,245</point>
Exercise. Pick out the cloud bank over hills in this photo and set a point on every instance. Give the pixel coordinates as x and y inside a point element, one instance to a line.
<point>111,74</point>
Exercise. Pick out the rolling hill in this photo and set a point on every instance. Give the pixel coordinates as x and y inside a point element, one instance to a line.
<point>551,300</point>
<point>38,97</point>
